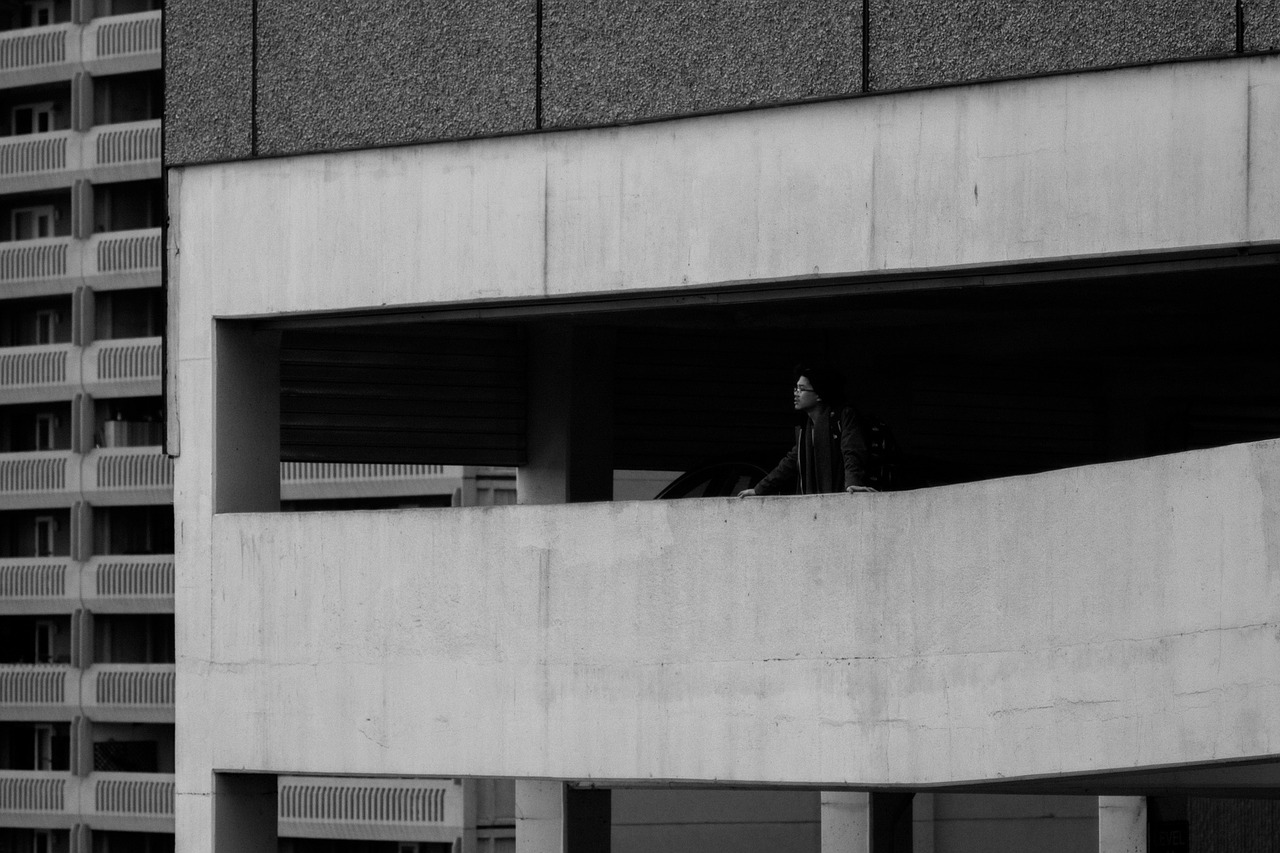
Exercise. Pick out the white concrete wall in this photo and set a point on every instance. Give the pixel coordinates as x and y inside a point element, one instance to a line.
<point>1134,160</point>
<point>1101,618</point>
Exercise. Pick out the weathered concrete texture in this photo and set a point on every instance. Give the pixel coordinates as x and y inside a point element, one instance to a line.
<point>926,42</point>
<point>358,73</point>
<point>606,61</point>
<point>1262,25</point>
<point>208,80</point>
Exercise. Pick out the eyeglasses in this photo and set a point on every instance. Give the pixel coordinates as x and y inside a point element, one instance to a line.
<point>800,389</point>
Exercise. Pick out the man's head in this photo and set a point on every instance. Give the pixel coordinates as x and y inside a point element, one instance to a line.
<point>826,384</point>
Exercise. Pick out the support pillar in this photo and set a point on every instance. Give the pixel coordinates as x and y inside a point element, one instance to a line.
<point>1122,825</point>
<point>552,817</point>
<point>846,822</point>
<point>855,822</point>
<point>570,430</point>
<point>245,810</point>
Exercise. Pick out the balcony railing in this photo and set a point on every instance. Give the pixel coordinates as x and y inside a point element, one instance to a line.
<point>129,692</point>
<point>129,367</point>
<point>32,684</point>
<point>28,367</point>
<point>131,577</point>
<point>123,35</point>
<point>110,253</point>
<point>370,809</point>
<point>33,792</point>
<point>127,469</point>
<point>302,480</point>
<point>117,144</point>
<point>139,802</point>
<point>43,152</point>
<point>37,46</point>
<point>45,477</point>
<point>34,259</point>
<point>124,251</point>
<point>69,153</point>
<point>34,578</point>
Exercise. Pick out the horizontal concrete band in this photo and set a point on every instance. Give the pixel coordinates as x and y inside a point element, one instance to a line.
<point>1111,617</point>
<point>1137,160</point>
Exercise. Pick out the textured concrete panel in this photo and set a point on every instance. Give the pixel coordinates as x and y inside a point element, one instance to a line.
<point>927,42</point>
<point>208,80</point>
<point>606,62</point>
<point>358,73</point>
<point>1262,25</point>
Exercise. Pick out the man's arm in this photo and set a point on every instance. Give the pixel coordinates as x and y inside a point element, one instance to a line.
<point>853,447</point>
<point>782,475</point>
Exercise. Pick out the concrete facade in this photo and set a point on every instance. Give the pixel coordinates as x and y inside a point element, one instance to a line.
<point>1055,660</point>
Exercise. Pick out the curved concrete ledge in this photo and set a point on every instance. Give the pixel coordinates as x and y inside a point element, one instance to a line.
<point>1097,619</point>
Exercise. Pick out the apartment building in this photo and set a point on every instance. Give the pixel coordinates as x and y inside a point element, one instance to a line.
<point>1041,238</point>
<point>86,490</point>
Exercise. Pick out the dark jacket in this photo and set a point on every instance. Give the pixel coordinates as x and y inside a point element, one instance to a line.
<point>830,454</point>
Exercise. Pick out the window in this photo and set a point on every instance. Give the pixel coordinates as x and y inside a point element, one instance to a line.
<point>32,118</point>
<point>43,754</point>
<point>46,326</point>
<point>46,631</point>
<point>46,528</point>
<point>32,223</point>
<point>46,431</point>
<point>37,13</point>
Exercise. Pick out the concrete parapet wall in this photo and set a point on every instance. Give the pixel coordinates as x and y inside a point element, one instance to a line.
<point>1096,619</point>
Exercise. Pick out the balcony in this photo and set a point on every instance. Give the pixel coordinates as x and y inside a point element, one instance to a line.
<point>119,44</point>
<point>38,479</point>
<point>39,692</point>
<point>130,802</point>
<point>115,152</point>
<point>42,799</point>
<point>138,583</point>
<point>371,809</point>
<point>39,54</point>
<point>128,367</point>
<point>129,693</point>
<point>38,373</point>
<point>129,584</point>
<point>128,476</point>
<point>38,585</point>
<point>1028,627</point>
<point>114,260</point>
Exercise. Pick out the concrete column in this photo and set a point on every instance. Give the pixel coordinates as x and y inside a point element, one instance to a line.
<point>1122,825</point>
<point>539,816</point>
<point>922,823</point>
<point>866,823</point>
<point>570,429</point>
<point>245,810</point>
<point>552,817</point>
<point>846,822</point>
<point>246,435</point>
